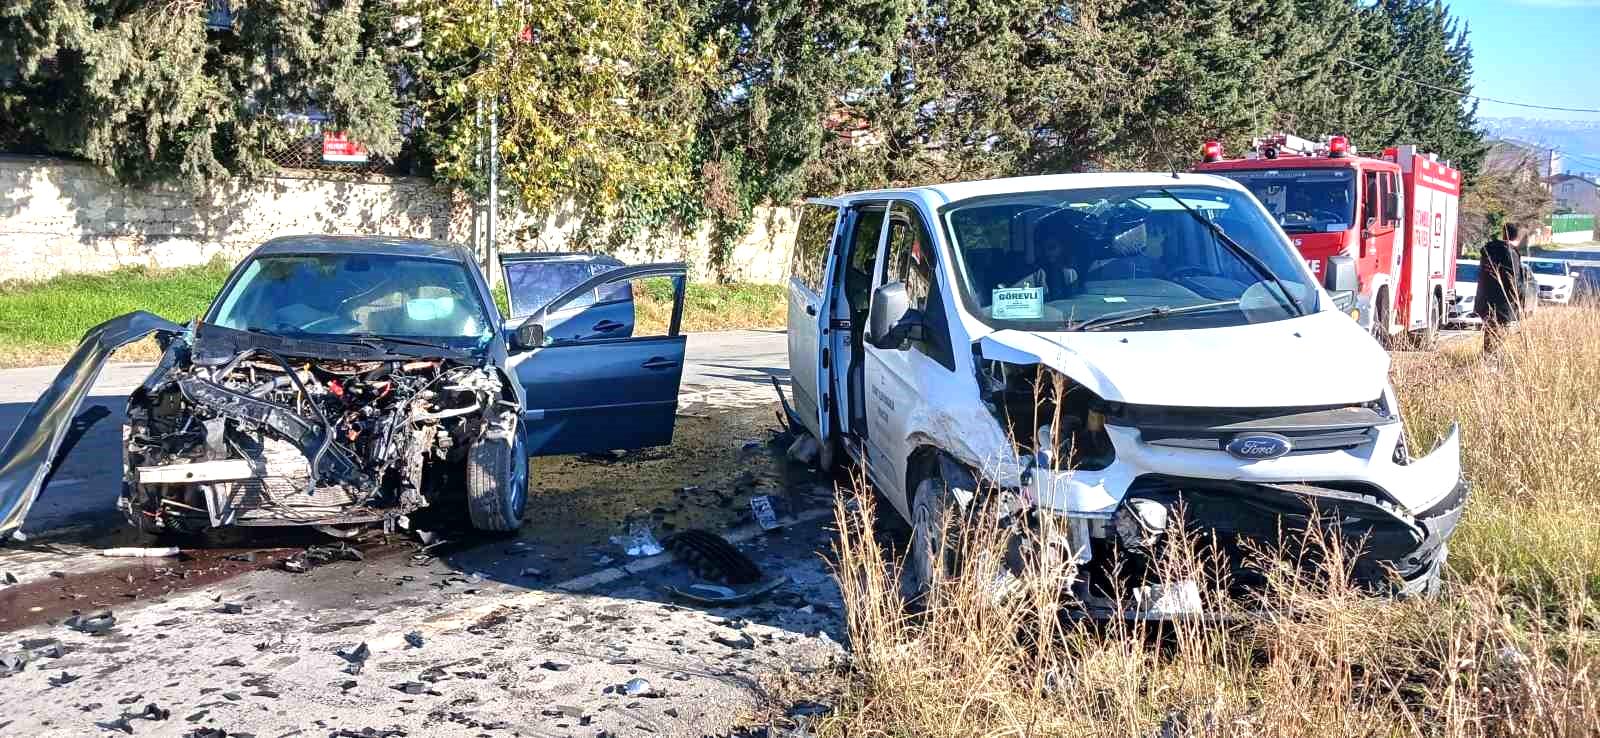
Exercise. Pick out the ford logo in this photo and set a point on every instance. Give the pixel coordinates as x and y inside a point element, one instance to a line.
<point>1255,446</point>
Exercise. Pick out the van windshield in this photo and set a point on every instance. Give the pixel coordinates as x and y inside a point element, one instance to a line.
<point>1061,259</point>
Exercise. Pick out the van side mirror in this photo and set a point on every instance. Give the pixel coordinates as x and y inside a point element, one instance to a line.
<point>890,319</point>
<point>1341,276</point>
<point>528,336</point>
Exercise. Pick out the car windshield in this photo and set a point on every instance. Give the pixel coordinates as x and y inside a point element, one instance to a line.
<point>1055,260</point>
<point>1466,272</point>
<point>1554,268</point>
<point>330,295</point>
<point>1303,200</point>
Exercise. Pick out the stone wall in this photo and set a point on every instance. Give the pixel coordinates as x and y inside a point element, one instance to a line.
<point>58,217</point>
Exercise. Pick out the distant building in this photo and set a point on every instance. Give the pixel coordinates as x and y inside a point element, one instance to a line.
<point>1574,194</point>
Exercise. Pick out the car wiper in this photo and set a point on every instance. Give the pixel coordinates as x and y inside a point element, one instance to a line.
<point>376,341</point>
<point>1262,270</point>
<point>1123,317</point>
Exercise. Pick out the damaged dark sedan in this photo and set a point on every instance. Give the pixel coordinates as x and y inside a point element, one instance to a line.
<point>341,382</point>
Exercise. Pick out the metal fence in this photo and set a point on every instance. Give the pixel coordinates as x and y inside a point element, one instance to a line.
<point>1571,222</point>
<point>309,153</point>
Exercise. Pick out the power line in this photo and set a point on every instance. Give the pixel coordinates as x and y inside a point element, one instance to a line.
<point>1465,94</point>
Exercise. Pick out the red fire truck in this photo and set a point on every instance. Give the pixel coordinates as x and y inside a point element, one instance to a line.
<point>1394,217</point>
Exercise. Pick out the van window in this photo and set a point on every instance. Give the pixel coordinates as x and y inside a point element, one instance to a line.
<point>811,244</point>
<point>1370,199</point>
<point>909,259</point>
<point>1390,219</point>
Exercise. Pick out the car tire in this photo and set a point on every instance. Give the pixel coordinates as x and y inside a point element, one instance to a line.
<point>497,483</point>
<point>932,545</point>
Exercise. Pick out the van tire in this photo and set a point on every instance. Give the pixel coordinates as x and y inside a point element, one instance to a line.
<point>932,546</point>
<point>497,483</point>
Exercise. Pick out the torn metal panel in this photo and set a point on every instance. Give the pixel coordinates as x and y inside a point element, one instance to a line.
<point>27,457</point>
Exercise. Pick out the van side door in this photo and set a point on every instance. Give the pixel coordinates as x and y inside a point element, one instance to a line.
<point>808,313</point>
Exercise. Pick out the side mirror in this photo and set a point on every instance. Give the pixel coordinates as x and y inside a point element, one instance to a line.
<point>1341,276</point>
<point>890,319</point>
<point>528,336</point>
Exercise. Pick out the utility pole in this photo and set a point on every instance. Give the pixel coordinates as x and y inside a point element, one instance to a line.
<point>492,257</point>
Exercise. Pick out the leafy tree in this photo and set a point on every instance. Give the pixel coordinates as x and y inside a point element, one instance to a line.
<point>598,100</point>
<point>152,89</point>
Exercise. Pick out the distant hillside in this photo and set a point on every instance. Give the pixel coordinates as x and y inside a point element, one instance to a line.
<point>1578,140</point>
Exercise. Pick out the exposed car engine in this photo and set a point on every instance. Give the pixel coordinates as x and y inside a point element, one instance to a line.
<point>237,443</point>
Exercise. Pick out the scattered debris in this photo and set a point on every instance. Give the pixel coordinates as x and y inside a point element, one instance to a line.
<point>94,624</point>
<point>141,553</point>
<point>153,711</point>
<point>712,557</point>
<point>414,639</point>
<point>805,449</point>
<point>807,709</point>
<point>230,608</point>
<point>65,678</point>
<point>639,687</point>
<point>356,658</point>
<point>12,663</point>
<point>411,687</point>
<point>121,724</point>
<point>8,578</point>
<point>717,595</point>
<point>555,666</point>
<point>766,517</point>
<point>531,573</point>
<point>248,557</point>
<point>234,661</point>
<point>743,643</point>
<point>637,539</point>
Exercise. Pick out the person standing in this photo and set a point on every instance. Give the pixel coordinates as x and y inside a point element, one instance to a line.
<point>1499,288</point>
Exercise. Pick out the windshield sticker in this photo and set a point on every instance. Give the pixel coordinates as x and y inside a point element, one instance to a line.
<point>1336,227</point>
<point>1116,299</point>
<point>1018,303</point>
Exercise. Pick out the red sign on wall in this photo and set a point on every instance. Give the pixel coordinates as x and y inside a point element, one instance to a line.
<point>336,146</point>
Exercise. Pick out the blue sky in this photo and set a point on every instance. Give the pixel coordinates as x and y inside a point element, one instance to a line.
<point>1535,51</point>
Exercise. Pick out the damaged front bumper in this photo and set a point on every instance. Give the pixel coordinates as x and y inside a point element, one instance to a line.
<point>1393,513</point>
<point>27,458</point>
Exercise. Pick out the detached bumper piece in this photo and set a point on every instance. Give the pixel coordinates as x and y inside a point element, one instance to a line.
<point>1236,524</point>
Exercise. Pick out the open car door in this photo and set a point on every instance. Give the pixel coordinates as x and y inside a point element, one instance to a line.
<point>587,392</point>
<point>533,281</point>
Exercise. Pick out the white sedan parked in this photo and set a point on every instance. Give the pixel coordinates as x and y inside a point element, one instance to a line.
<point>1555,278</point>
<point>1462,311</point>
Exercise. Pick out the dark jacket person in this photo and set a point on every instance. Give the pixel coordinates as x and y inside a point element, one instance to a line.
<point>1500,280</point>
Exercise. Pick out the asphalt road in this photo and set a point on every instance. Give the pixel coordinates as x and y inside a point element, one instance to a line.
<point>727,369</point>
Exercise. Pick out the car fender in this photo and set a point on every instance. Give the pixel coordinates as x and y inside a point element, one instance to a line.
<point>30,453</point>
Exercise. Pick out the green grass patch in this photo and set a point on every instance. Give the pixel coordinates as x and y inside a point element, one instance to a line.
<point>41,322</point>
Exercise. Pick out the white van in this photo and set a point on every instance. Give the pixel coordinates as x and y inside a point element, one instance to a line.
<point>1200,359</point>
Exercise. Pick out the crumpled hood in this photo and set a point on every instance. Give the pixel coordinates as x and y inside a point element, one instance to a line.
<point>1320,359</point>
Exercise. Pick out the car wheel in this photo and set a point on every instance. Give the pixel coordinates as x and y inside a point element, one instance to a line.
<point>933,545</point>
<point>497,483</point>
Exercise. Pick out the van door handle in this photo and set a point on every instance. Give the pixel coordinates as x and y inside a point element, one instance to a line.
<point>607,326</point>
<point>658,362</point>
<point>811,310</point>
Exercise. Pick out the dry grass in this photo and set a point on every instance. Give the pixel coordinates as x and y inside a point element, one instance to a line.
<point>1509,649</point>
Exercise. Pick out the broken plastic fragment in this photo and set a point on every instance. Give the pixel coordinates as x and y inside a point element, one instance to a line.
<point>637,687</point>
<point>141,553</point>
<point>637,540</point>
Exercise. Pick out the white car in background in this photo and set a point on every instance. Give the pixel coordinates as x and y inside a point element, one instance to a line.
<point>1461,313</point>
<point>1555,278</point>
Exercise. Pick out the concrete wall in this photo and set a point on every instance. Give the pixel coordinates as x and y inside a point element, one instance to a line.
<point>58,217</point>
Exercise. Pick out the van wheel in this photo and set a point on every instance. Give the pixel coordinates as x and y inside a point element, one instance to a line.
<point>497,483</point>
<point>935,550</point>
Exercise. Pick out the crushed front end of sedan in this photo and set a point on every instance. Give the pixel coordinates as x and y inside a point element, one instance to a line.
<point>249,429</point>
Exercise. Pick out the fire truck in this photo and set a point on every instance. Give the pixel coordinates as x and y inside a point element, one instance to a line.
<point>1393,217</point>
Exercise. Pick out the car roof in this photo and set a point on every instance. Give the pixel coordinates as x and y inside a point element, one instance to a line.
<point>951,192</point>
<point>372,245</point>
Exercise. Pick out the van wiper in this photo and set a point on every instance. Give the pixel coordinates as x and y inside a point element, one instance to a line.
<point>1123,317</point>
<point>376,341</point>
<point>1260,267</point>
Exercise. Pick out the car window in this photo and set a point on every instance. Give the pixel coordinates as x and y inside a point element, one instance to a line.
<point>531,285</point>
<point>344,294</point>
<point>811,241</point>
<point>1551,268</point>
<point>1050,260</point>
<point>1466,272</point>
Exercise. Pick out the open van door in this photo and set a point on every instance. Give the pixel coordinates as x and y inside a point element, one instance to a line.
<point>808,315</point>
